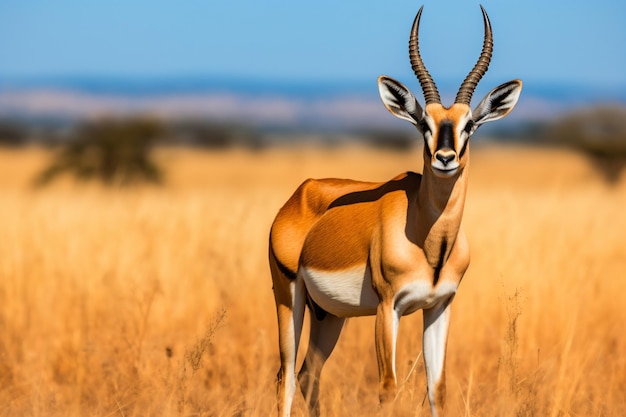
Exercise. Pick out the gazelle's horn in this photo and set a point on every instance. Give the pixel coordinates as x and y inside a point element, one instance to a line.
<point>464,96</point>
<point>431,95</point>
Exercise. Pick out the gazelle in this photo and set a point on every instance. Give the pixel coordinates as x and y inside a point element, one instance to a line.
<point>349,248</point>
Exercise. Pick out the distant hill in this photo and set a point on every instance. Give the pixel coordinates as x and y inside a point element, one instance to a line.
<point>326,105</point>
<point>224,112</point>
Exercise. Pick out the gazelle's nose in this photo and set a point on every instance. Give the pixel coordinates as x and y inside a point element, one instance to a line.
<point>445,156</point>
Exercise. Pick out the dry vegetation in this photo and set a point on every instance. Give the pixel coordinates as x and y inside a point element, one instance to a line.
<point>157,300</point>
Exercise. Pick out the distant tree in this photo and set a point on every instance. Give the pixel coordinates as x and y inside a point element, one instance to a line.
<point>216,135</point>
<point>396,140</point>
<point>115,152</point>
<point>599,133</point>
<point>11,133</point>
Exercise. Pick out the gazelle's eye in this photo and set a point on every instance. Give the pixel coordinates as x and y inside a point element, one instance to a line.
<point>424,126</point>
<point>469,126</point>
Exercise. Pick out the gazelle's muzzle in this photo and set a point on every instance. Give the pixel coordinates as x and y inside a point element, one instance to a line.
<point>445,162</point>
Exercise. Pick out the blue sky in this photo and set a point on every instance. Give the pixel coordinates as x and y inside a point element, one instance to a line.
<point>572,41</point>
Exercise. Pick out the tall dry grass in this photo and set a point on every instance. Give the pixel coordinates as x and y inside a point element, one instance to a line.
<point>157,301</point>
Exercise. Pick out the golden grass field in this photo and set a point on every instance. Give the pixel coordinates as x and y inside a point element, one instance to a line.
<point>157,301</point>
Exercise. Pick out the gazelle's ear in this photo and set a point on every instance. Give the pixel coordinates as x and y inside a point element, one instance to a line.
<point>498,103</point>
<point>399,100</point>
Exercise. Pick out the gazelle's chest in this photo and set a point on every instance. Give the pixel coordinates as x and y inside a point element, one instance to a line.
<point>421,276</point>
<point>417,294</point>
<point>355,256</point>
<point>394,269</point>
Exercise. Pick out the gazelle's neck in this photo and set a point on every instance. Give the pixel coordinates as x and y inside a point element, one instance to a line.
<point>440,204</point>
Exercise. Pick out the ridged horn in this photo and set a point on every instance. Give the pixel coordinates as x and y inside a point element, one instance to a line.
<point>464,96</point>
<point>431,95</point>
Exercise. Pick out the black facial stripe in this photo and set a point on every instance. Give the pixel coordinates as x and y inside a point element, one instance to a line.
<point>427,149</point>
<point>446,136</point>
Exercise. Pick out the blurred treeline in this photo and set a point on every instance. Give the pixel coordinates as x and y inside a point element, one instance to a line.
<point>599,133</point>
<point>119,150</point>
<point>197,133</point>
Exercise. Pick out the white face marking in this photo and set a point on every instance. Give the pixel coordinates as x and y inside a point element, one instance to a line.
<point>428,135</point>
<point>446,162</point>
<point>346,293</point>
<point>462,134</point>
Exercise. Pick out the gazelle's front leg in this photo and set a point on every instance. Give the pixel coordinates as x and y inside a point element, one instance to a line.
<point>386,333</point>
<point>436,323</point>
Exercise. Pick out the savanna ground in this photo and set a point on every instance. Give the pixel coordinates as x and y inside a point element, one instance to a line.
<point>157,300</point>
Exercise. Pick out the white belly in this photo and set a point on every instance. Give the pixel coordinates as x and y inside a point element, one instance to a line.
<point>346,293</point>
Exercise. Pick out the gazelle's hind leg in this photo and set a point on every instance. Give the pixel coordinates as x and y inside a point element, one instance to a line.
<point>325,331</point>
<point>290,297</point>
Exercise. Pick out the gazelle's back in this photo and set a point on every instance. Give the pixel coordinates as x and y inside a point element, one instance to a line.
<point>309,203</point>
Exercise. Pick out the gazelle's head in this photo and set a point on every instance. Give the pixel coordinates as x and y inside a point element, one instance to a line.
<point>446,130</point>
